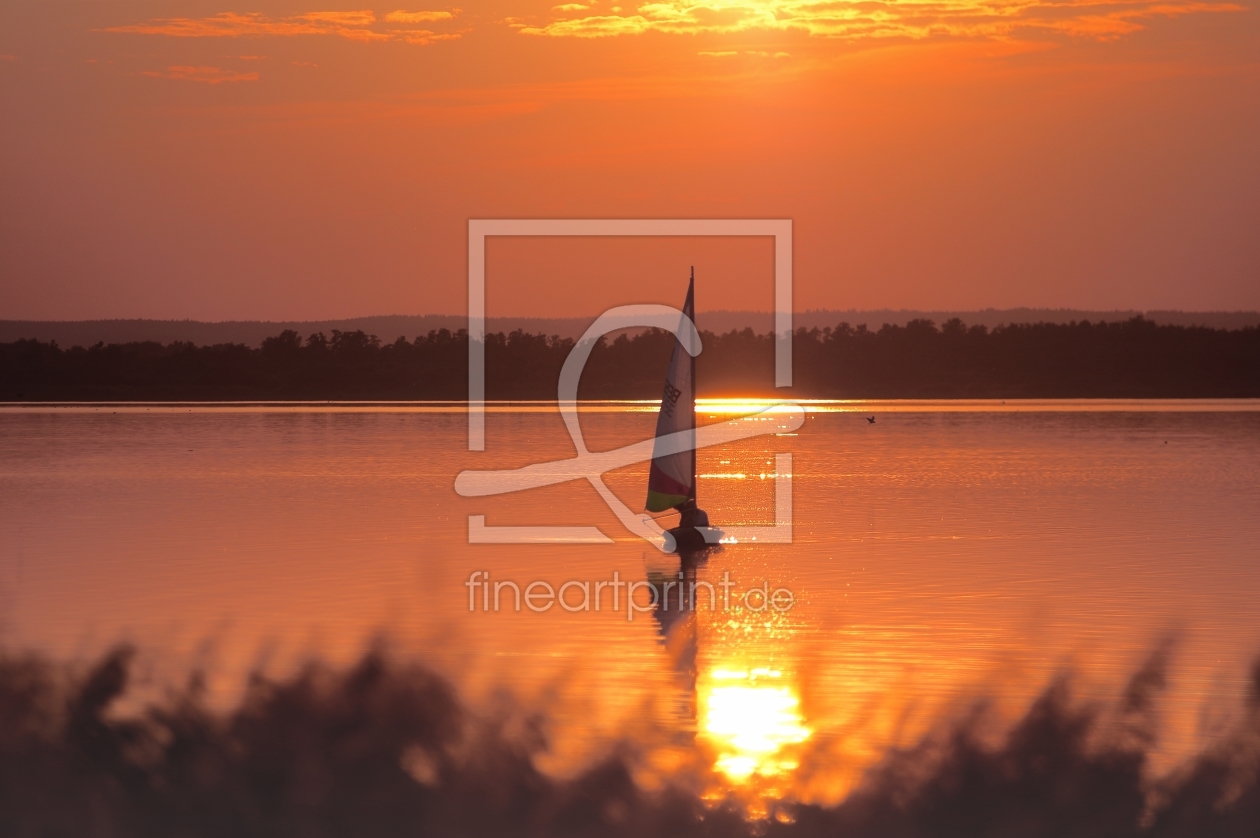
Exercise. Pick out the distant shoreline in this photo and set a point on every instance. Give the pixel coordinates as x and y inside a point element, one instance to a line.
<point>1134,359</point>
<point>68,333</point>
<point>858,407</point>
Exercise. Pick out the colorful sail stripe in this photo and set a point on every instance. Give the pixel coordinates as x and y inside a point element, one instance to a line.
<point>664,492</point>
<point>657,502</point>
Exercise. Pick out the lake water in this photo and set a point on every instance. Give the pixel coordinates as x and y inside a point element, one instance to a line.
<point>946,553</point>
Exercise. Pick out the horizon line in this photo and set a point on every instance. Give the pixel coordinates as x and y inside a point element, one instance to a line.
<point>755,312</point>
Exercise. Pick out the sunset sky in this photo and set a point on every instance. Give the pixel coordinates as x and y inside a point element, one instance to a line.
<point>212,160</point>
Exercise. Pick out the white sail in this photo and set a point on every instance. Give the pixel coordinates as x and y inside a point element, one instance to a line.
<point>672,479</point>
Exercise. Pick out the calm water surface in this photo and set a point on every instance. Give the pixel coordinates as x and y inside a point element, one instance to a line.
<point>945,553</point>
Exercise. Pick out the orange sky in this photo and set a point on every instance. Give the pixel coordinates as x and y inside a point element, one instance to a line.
<point>296,160</point>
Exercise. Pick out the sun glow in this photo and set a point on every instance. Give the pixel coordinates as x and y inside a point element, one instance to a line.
<point>737,406</point>
<point>750,716</point>
<point>916,20</point>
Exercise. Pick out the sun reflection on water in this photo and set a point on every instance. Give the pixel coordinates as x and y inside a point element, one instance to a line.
<point>750,716</point>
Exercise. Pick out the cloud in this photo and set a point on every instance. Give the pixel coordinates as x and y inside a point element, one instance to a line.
<point>1102,20</point>
<point>570,7</point>
<point>360,26</point>
<point>599,26</point>
<point>731,53</point>
<point>419,17</point>
<point>207,75</point>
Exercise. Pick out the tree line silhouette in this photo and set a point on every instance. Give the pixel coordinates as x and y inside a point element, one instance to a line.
<point>1130,359</point>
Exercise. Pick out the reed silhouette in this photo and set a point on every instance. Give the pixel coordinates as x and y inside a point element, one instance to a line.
<point>385,748</point>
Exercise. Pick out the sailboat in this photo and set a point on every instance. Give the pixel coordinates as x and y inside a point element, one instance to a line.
<point>672,477</point>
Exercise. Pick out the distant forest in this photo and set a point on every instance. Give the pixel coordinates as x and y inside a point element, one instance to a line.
<point>1131,359</point>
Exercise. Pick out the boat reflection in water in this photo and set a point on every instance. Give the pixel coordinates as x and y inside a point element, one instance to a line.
<point>746,716</point>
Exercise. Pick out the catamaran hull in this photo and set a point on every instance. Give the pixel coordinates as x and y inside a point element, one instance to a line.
<point>692,539</point>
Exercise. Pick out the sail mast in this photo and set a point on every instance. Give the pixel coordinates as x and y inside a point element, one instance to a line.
<point>695,477</point>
